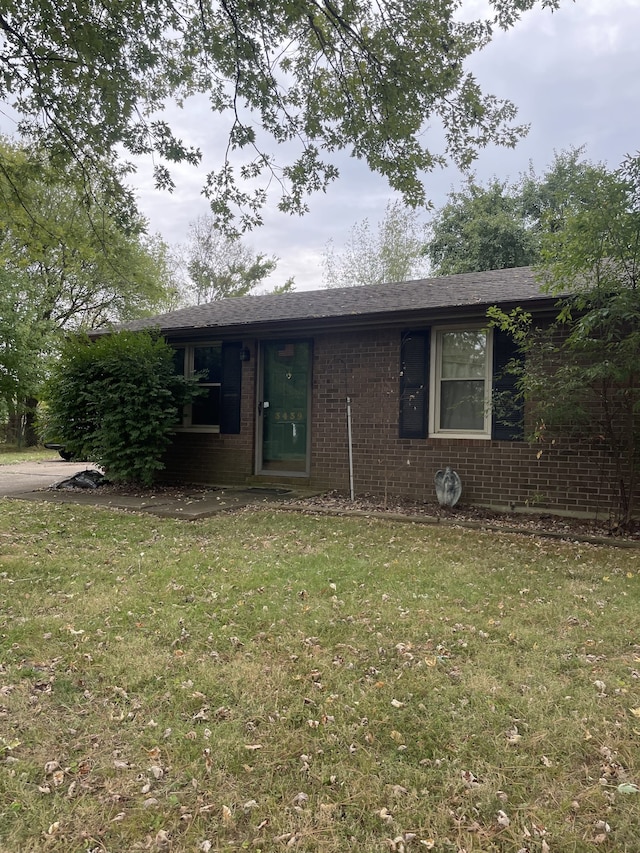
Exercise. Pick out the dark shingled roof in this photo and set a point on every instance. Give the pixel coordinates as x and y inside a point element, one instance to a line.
<point>355,306</point>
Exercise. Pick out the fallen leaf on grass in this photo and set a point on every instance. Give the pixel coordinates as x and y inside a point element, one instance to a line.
<point>398,790</point>
<point>163,842</point>
<point>503,819</point>
<point>208,762</point>
<point>469,779</point>
<point>513,736</point>
<point>202,714</point>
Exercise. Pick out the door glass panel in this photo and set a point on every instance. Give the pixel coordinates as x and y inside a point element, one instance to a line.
<point>286,378</point>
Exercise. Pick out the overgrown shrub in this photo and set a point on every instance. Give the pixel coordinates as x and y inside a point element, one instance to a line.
<point>581,378</point>
<point>116,401</point>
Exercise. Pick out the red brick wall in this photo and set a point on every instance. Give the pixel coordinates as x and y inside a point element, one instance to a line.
<point>566,476</point>
<point>365,367</point>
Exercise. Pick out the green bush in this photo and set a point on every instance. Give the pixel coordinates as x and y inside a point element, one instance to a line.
<point>116,401</point>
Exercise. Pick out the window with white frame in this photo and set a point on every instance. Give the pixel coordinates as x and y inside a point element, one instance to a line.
<point>461,365</point>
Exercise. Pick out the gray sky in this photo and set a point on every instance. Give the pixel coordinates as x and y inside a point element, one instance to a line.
<point>574,75</point>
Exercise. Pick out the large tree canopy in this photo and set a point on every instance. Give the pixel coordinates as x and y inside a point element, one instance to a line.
<point>70,259</point>
<point>502,224</point>
<point>87,261</point>
<point>313,76</point>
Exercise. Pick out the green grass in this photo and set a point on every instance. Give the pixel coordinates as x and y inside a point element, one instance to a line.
<point>9,454</point>
<point>268,681</point>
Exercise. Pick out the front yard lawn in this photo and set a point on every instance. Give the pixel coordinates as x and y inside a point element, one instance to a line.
<point>9,454</point>
<point>269,681</point>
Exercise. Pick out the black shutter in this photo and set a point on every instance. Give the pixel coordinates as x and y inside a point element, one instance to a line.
<point>414,384</point>
<point>508,405</point>
<point>231,386</point>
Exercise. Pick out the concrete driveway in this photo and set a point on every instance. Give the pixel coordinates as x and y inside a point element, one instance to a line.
<point>30,476</point>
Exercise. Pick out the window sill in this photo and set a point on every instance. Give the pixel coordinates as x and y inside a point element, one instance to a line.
<point>480,436</point>
<point>207,429</point>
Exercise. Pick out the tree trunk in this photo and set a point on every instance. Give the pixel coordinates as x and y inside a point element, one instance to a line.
<point>30,435</point>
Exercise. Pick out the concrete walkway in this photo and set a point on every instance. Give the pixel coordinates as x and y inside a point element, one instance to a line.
<point>33,481</point>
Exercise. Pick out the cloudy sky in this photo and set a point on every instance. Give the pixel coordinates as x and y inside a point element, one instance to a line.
<point>574,75</point>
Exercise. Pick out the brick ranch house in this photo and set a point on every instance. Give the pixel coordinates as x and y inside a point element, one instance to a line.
<point>374,388</point>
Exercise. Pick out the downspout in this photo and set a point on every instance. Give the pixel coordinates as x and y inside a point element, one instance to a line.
<point>350,442</point>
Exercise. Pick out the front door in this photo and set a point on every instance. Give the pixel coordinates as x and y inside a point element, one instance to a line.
<point>283,407</point>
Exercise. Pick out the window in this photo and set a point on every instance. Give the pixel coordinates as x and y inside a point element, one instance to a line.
<point>461,382</point>
<point>219,370</point>
<point>449,380</point>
